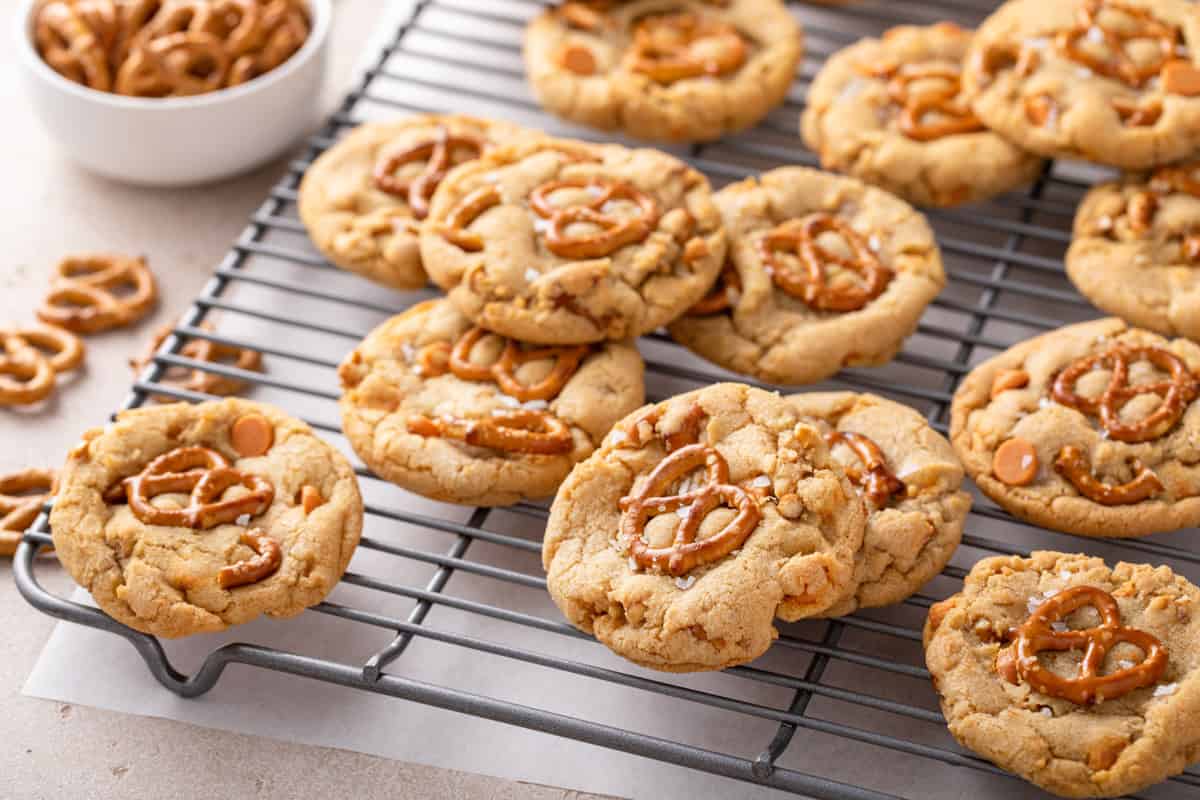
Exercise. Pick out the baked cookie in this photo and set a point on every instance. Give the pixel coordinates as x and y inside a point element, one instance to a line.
<point>1111,81</point>
<point>560,242</point>
<point>698,521</point>
<point>910,481</point>
<point>183,519</point>
<point>22,495</point>
<point>1007,658</point>
<point>1136,251</point>
<point>1089,429</point>
<point>891,112</point>
<point>670,70</point>
<point>826,273</point>
<point>448,410</point>
<point>364,198</point>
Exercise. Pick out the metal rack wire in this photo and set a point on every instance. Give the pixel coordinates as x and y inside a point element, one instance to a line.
<point>854,687</point>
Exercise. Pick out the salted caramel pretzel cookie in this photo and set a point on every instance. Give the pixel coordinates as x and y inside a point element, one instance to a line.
<point>1089,429</point>
<point>1082,679</point>
<point>1136,251</point>
<point>697,522</point>
<point>1112,81</point>
<point>363,199</point>
<point>910,481</point>
<point>891,111</point>
<point>560,242</point>
<point>826,273</point>
<point>183,519</point>
<point>446,409</point>
<point>669,70</point>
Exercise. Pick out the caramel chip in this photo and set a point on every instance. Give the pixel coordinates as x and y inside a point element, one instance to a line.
<point>1009,379</point>
<point>1015,463</point>
<point>579,60</point>
<point>1181,77</point>
<point>310,499</point>
<point>252,435</point>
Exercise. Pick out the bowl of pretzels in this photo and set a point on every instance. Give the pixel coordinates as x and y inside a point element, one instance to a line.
<point>174,92</point>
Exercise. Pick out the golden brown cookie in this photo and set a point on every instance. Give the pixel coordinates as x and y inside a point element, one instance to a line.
<point>183,519</point>
<point>827,273</point>
<point>1007,658</point>
<point>445,409</point>
<point>1136,251</point>
<point>1111,81</point>
<point>891,111</point>
<point>669,70</point>
<point>363,199</point>
<point>1089,429</point>
<point>697,522</point>
<point>910,481</point>
<point>560,242</point>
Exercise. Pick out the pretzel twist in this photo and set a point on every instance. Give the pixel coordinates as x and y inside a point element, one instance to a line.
<point>877,481</point>
<point>22,495</point>
<point>197,379</point>
<point>672,47</point>
<point>263,564</point>
<point>722,296</point>
<point>27,374</point>
<point>1118,64</point>
<point>438,155</point>
<point>515,431</point>
<point>503,371</point>
<point>614,232</point>
<point>68,45</point>
<point>1143,206</point>
<point>1020,661</point>
<point>944,100</point>
<point>83,296</point>
<point>1073,465</point>
<point>799,237</point>
<point>466,211</point>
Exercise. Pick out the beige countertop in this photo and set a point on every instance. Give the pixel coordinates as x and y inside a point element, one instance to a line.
<point>48,208</point>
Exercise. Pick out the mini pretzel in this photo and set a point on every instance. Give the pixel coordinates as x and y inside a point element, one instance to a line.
<point>1118,64</point>
<point>1176,393</point>
<point>953,116</point>
<point>27,374</point>
<point>877,481</point>
<point>238,23</point>
<point>197,380</point>
<point>437,153</point>
<point>206,475</point>
<point>1073,465</point>
<point>264,563</point>
<point>672,47</point>
<point>176,65</point>
<point>82,297</point>
<point>464,213</point>
<point>615,232</point>
<point>516,431</point>
<point>799,236</point>
<point>721,298</point>
<point>1020,661</point>
<point>69,45</point>
<point>685,553</point>
<point>18,507</point>
<point>503,371</point>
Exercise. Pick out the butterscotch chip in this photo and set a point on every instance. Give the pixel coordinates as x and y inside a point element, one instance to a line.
<point>1016,462</point>
<point>1181,77</point>
<point>1009,379</point>
<point>310,499</point>
<point>252,435</point>
<point>579,60</point>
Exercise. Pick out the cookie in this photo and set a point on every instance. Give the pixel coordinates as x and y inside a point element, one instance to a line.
<point>445,409</point>
<point>910,481</point>
<point>891,111</point>
<point>364,198</point>
<point>1089,429</point>
<point>1006,657</point>
<point>1111,81</point>
<point>560,242</point>
<point>22,495</point>
<point>697,522</point>
<point>1136,251</point>
<point>826,273</point>
<point>668,70</point>
<point>183,519</point>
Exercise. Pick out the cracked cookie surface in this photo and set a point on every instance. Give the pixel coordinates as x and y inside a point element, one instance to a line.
<point>401,372</point>
<point>910,482</point>
<point>890,111</point>
<point>759,328</point>
<point>166,579</point>
<point>1106,749</point>
<point>776,528</point>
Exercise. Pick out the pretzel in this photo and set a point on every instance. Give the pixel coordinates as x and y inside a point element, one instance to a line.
<point>1135,113</point>
<point>466,211</point>
<point>437,153</point>
<point>22,495</point>
<point>1143,206</point>
<point>264,563</point>
<point>615,232</point>
<point>82,297</point>
<point>1020,662</point>
<point>877,481</point>
<point>238,23</point>
<point>285,30</point>
<point>176,65</point>
<point>955,116</point>
<point>1176,393</point>
<point>721,298</point>
<point>1118,64</point>
<point>433,360</point>
<point>66,42</point>
<point>516,431</point>
<point>1073,465</point>
<point>503,371</point>
<point>203,472</point>
<point>197,380</point>
<point>27,374</point>
<point>685,553</point>
<point>672,47</point>
<point>799,236</point>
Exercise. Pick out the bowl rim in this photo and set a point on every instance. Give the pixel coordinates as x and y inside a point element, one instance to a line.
<point>321,12</point>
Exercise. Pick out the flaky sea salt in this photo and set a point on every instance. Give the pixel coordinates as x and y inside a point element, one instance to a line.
<point>685,583</point>
<point>1125,664</point>
<point>1065,575</point>
<point>1165,689</point>
<point>761,482</point>
<point>662,509</point>
<point>874,243</point>
<point>633,565</point>
<point>535,405</point>
<point>409,351</point>
<point>1059,626</point>
<point>1049,593</point>
<point>1033,603</point>
<point>243,520</point>
<point>511,402</point>
<point>683,511</point>
<point>1047,711</point>
<point>532,274</point>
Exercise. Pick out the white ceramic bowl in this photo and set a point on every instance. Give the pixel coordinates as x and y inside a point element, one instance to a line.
<point>177,141</point>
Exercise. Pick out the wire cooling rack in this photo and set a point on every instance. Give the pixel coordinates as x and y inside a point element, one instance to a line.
<point>831,695</point>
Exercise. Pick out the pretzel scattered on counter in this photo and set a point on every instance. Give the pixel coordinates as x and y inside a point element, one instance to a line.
<point>97,292</point>
<point>31,358</point>
<point>22,495</point>
<point>197,380</point>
